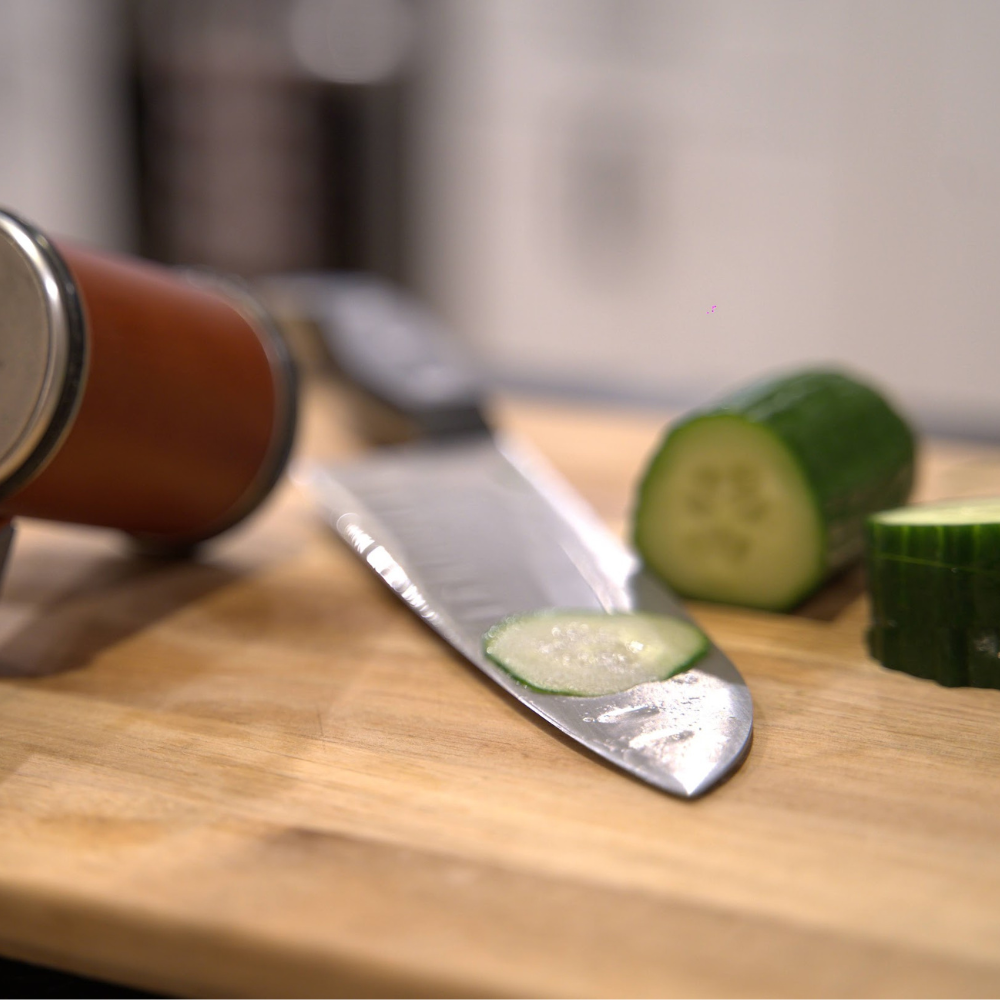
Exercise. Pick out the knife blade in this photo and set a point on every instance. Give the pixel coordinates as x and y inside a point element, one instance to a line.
<point>467,527</point>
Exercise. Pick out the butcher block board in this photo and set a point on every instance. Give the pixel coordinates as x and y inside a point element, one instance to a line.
<point>258,774</point>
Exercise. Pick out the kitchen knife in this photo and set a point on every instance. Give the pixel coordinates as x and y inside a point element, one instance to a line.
<point>467,527</point>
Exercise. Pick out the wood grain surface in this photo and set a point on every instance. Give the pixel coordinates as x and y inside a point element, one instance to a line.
<point>258,774</point>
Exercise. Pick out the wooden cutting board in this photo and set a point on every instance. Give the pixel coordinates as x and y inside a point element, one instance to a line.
<point>257,774</point>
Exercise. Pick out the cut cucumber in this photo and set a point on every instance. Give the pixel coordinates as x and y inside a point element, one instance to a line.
<point>953,533</point>
<point>954,657</point>
<point>906,591</point>
<point>934,583</point>
<point>592,653</point>
<point>757,500</point>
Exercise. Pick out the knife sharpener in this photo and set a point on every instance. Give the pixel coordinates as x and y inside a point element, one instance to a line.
<point>133,396</point>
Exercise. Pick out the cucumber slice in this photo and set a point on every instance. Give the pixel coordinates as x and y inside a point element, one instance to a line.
<point>934,583</point>
<point>954,657</point>
<point>905,592</point>
<point>592,653</point>
<point>759,499</point>
<point>961,534</point>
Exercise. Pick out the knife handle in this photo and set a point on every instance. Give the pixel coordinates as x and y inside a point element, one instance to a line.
<point>389,345</point>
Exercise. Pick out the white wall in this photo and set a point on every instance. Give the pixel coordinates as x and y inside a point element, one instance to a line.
<point>598,174</point>
<point>63,120</point>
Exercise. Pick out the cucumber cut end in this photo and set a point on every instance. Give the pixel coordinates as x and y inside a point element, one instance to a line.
<point>725,513</point>
<point>591,653</point>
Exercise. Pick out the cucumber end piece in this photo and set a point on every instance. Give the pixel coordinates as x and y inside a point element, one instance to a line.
<point>725,513</point>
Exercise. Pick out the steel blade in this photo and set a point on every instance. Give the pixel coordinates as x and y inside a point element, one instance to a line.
<point>470,531</point>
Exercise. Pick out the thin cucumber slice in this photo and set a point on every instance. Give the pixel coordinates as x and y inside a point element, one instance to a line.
<point>954,657</point>
<point>951,533</point>
<point>591,653</point>
<point>759,499</point>
<point>904,591</point>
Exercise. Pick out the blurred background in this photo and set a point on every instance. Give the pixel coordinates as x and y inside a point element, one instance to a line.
<point>643,201</point>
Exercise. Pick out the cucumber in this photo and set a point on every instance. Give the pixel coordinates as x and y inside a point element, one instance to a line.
<point>761,497</point>
<point>954,657</point>
<point>934,583</point>
<point>905,591</point>
<point>591,653</point>
<point>962,534</point>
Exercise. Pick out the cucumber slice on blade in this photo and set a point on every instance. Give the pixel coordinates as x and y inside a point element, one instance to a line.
<point>591,653</point>
<point>757,500</point>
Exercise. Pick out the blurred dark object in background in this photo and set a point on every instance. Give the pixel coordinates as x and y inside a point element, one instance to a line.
<point>627,200</point>
<point>272,133</point>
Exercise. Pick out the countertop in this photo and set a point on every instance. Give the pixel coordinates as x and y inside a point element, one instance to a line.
<point>256,773</point>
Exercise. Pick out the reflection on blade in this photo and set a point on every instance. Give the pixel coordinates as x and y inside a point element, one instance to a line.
<point>467,533</point>
<point>680,734</point>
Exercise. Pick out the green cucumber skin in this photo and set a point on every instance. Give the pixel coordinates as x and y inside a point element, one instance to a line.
<point>856,453</point>
<point>965,546</point>
<point>954,657</point>
<point>906,592</point>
